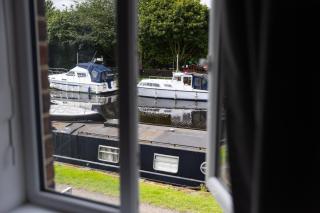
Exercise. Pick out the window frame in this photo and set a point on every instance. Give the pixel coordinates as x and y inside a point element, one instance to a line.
<point>213,183</point>
<point>168,156</point>
<point>26,42</point>
<point>69,73</point>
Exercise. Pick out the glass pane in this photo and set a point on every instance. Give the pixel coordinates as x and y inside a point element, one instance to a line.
<point>173,37</point>
<point>223,171</point>
<point>83,98</point>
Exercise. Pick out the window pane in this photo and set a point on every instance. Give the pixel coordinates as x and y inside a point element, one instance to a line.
<point>83,98</point>
<point>173,36</point>
<point>223,172</point>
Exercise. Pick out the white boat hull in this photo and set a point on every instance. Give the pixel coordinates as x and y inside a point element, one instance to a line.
<point>196,95</point>
<point>96,88</point>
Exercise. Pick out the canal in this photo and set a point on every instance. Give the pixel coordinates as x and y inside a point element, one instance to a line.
<point>175,113</point>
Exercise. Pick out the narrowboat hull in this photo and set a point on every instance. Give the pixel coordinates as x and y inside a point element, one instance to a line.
<point>83,150</point>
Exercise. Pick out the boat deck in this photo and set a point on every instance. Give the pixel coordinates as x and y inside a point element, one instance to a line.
<point>150,134</point>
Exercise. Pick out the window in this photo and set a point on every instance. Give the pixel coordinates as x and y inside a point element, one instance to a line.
<point>127,60</point>
<point>70,73</point>
<point>167,85</point>
<point>187,80</point>
<point>196,82</point>
<point>216,177</point>
<point>81,75</point>
<point>156,85</point>
<point>94,74</point>
<point>108,154</point>
<point>178,78</point>
<point>166,163</point>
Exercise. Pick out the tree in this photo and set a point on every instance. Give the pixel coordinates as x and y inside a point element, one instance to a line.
<point>172,27</point>
<point>89,25</point>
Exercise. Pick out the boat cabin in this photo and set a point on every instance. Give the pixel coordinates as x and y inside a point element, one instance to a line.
<point>98,72</point>
<point>194,80</point>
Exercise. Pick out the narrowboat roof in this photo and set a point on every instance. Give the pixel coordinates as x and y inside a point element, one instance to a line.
<point>148,134</point>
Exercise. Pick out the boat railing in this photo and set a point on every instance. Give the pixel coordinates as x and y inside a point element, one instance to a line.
<point>57,70</point>
<point>160,77</point>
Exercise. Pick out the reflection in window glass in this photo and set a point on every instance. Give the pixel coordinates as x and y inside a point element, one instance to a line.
<point>223,163</point>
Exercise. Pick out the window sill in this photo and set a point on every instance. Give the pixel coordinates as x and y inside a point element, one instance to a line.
<point>31,208</point>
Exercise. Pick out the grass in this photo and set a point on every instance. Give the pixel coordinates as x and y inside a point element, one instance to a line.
<point>175,198</point>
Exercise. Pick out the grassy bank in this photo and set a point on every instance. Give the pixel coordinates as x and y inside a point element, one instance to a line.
<point>175,198</point>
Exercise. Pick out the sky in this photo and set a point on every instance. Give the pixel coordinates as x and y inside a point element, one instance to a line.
<point>206,2</point>
<point>63,4</point>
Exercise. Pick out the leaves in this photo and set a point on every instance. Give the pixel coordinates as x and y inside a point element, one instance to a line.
<point>89,24</point>
<point>171,27</point>
<point>166,28</point>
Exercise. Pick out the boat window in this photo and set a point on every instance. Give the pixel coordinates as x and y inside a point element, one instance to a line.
<point>204,84</point>
<point>187,80</point>
<point>167,85</point>
<point>197,83</point>
<point>94,74</point>
<point>81,75</point>
<point>166,163</point>
<point>71,73</point>
<point>177,78</point>
<point>156,85</point>
<point>108,154</point>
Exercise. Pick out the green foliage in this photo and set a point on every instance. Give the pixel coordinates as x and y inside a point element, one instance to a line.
<point>171,27</point>
<point>166,28</point>
<point>166,196</point>
<point>89,25</point>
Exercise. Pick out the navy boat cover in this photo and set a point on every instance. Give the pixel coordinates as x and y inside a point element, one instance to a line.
<point>99,73</point>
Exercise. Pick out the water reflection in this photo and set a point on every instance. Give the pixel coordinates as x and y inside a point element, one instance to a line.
<point>176,113</point>
<point>106,105</point>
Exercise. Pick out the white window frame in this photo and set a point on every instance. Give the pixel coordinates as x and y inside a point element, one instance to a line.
<point>213,183</point>
<point>27,60</point>
<point>168,156</point>
<point>117,153</point>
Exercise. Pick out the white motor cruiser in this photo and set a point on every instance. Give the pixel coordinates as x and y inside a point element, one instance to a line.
<point>85,77</point>
<point>182,86</point>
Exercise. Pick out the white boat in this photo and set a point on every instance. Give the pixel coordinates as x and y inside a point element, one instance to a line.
<point>85,77</point>
<point>182,86</point>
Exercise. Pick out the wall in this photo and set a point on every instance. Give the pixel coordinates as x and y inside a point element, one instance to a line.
<point>12,189</point>
<point>12,167</point>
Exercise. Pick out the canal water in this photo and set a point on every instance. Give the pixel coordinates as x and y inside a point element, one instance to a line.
<point>175,113</point>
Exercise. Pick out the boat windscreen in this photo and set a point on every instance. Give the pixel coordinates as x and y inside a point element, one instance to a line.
<point>200,83</point>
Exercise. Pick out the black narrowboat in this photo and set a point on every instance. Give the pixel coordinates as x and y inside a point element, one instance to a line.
<point>169,155</point>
